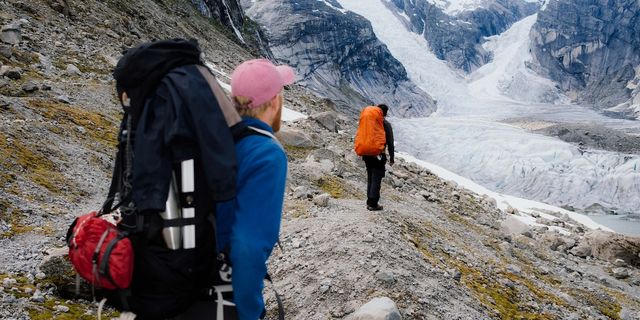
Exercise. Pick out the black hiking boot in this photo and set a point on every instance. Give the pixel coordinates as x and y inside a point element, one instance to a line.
<point>374,208</point>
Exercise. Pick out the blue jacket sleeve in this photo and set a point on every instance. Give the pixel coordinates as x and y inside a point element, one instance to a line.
<point>257,224</point>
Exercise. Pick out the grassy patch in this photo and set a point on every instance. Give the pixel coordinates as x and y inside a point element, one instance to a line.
<point>465,222</point>
<point>98,127</point>
<point>47,309</point>
<point>603,302</point>
<point>31,160</point>
<point>509,301</point>
<point>337,188</point>
<point>297,209</point>
<point>297,153</point>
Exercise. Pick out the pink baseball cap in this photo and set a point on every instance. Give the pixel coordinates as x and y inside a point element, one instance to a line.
<point>260,80</point>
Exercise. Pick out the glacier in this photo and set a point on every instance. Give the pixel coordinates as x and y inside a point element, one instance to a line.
<point>473,133</point>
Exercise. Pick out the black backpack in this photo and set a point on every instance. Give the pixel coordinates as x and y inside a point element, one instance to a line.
<point>165,281</point>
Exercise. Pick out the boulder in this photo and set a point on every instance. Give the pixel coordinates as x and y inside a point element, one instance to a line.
<point>11,34</point>
<point>553,240</point>
<point>29,87</point>
<point>377,309</point>
<point>386,276</point>
<point>294,138</point>
<point>72,70</point>
<point>11,73</point>
<point>611,246</point>
<point>513,226</point>
<point>6,51</point>
<point>59,5</point>
<point>582,250</point>
<point>512,210</point>
<point>620,273</point>
<point>322,200</point>
<point>327,120</point>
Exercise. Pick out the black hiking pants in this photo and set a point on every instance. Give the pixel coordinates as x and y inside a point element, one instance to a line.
<point>375,173</point>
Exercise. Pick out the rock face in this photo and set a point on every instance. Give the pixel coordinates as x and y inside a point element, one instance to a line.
<point>611,246</point>
<point>592,49</point>
<point>457,37</point>
<point>230,14</point>
<point>336,53</point>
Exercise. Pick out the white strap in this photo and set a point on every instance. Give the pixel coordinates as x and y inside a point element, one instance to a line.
<point>267,133</point>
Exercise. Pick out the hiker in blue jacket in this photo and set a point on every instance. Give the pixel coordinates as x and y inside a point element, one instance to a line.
<point>249,225</point>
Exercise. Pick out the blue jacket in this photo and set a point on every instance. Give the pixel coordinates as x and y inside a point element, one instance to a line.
<point>250,223</point>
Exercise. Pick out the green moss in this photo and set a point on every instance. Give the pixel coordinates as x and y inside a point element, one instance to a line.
<point>297,209</point>
<point>38,168</point>
<point>332,186</point>
<point>47,310</point>
<point>337,188</point>
<point>99,127</point>
<point>297,153</point>
<point>508,301</point>
<point>603,302</point>
<point>12,216</point>
<point>465,222</point>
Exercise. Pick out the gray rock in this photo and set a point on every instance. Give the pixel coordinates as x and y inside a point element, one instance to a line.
<point>301,192</point>
<point>11,34</point>
<point>8,282</point>
<point>6,51</point>
<point>514,269</point>
<point>322,200</point>
<point>511,210</point>
<point>37,296</point>
<point>611,246</point>
<point>29,87</point>
<point>582,250</point>
<point>513,226</point>
<point>12,73</point>
<point>619,263</point>
<point>72,70</point>
<point>620,273</point>
<point>327,120</point>
<point>64,99</point>
<point>295,138</point>
<point>429,196</point>
<point>4,104</point>
<point>386,276</point>
<point>377,309</point>
<point>61,308</point>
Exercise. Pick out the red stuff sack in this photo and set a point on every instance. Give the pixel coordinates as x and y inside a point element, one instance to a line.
<point>99,252</point>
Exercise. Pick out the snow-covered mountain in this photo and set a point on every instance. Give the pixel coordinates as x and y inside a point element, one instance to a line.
<point>456,30</point>
<point>336,54</point>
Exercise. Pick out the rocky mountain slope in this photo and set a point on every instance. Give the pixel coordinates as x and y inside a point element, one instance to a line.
<point>591,49</point>
<point>437,251</point>
<point>338,56</point>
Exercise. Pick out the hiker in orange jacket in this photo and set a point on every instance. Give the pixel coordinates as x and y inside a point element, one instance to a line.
<point>376,165</point>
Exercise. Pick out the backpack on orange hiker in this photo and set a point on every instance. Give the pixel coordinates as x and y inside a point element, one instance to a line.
<point>370,137</point>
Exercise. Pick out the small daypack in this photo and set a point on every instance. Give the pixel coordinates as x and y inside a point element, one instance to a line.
<point>100,253</point>
<point>370,137</point>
